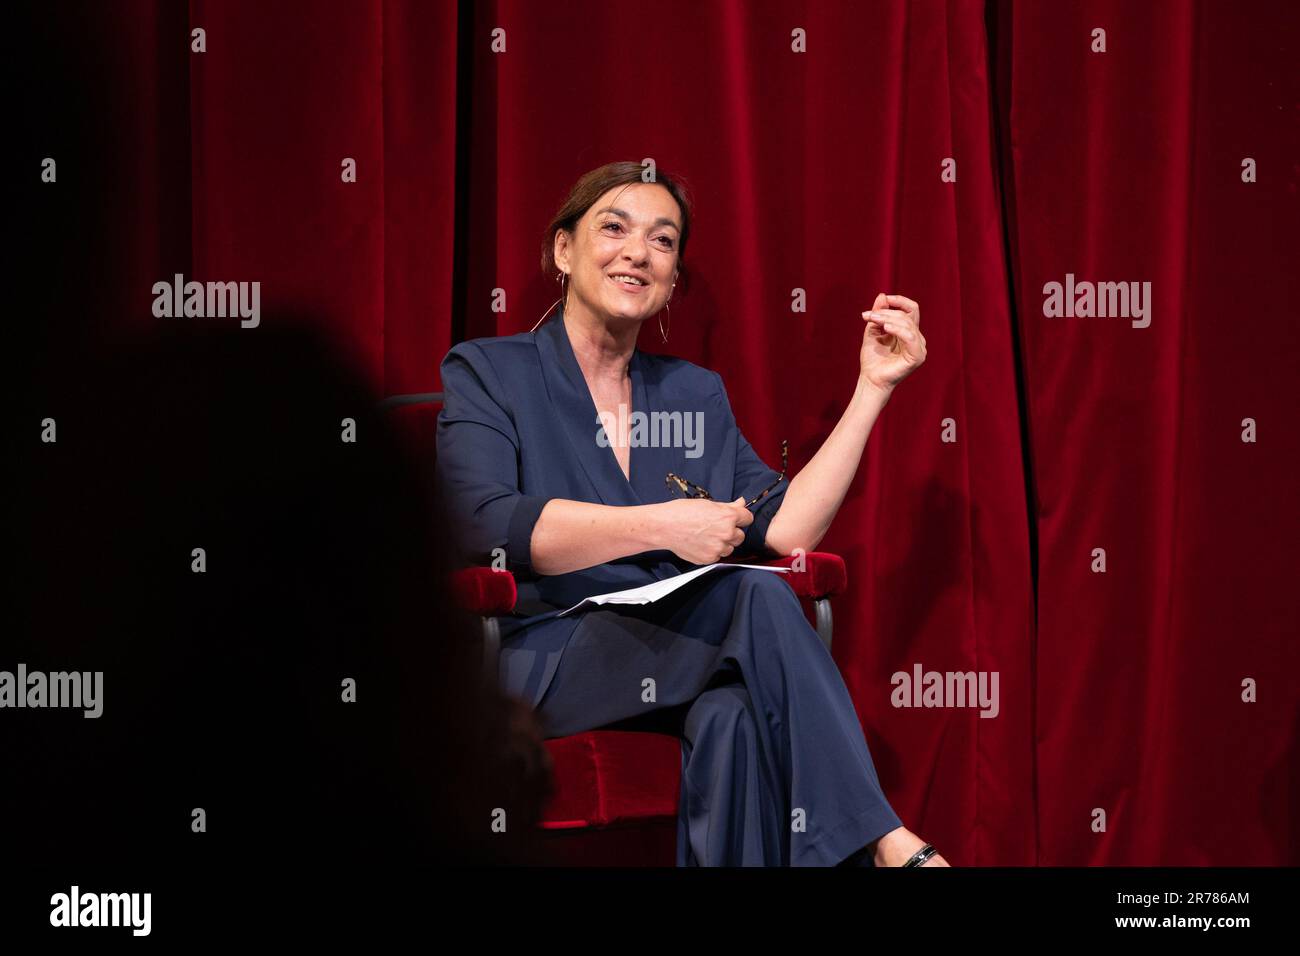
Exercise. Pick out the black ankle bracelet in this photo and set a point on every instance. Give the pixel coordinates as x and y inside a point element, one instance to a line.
<point>921,855</point>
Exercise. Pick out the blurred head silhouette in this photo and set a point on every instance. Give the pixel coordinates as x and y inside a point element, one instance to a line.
<point>201,533</point>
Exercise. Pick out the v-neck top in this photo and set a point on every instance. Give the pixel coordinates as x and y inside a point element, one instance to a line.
<point>519,428</point>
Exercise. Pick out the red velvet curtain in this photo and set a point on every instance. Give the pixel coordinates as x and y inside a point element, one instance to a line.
<point>1122,166</point>
<point>816,137</point>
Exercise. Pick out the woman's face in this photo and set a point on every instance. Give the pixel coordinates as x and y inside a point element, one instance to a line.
<point>632,230</point>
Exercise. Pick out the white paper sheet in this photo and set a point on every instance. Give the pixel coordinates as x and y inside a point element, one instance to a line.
<point>649,593</point>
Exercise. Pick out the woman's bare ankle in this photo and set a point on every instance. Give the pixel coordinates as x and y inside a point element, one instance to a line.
<point>896,847</point>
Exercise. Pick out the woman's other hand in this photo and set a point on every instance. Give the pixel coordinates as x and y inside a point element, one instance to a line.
<point>702,531</point>
<point>892,344</point>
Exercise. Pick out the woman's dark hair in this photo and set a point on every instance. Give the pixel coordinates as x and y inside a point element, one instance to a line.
<point>594,184</point>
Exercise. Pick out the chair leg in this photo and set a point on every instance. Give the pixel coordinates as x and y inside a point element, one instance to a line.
<point>822,608</point>
<point>491,649</point>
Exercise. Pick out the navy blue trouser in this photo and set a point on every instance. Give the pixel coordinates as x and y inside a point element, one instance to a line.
<point>775,768</point>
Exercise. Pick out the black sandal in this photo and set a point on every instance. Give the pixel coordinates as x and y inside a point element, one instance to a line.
<point>921,855</point>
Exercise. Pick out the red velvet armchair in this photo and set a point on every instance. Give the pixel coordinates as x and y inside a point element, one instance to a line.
<point>616,792</point>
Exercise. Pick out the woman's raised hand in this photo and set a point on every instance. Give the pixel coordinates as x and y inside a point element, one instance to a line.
<point>702,531</point>
<point>892,344</point>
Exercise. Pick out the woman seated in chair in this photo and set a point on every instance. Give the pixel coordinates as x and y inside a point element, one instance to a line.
<point>585,465</point>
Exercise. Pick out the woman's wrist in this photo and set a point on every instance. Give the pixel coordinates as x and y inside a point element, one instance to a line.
<point>870,391</point>
<point>647,526</point>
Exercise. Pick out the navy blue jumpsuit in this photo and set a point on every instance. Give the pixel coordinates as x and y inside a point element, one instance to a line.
<point>775,769</point>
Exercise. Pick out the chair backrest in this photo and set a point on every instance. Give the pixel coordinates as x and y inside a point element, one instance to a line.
<point>415,398</point>
<point>415,418</point>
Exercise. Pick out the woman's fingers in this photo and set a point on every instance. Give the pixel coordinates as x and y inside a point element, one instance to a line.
<point>875,324</point>
<point>905,332</point>
<point>891,322</point>
<point>904,303</point>
<point>900,324</point>
<point>894,321</point>
<point>900,305</point>
<point>744,516</point>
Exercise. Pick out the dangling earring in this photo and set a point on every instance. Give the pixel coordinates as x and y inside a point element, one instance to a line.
<point>560,277</point>
<point>662,333</point>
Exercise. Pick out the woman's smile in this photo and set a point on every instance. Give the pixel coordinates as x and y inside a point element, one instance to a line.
<point>632,288</point>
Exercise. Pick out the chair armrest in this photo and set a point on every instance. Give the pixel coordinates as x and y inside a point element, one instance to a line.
<point>484,592</point>
<point>822,574</point>
<point>490,593</point>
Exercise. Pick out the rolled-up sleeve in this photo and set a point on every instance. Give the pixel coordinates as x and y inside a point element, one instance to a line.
<point>752,475</point>
<point>478,464</point>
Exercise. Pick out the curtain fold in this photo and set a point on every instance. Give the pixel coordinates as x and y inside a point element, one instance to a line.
<point>1128,168</point>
